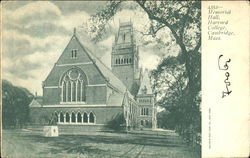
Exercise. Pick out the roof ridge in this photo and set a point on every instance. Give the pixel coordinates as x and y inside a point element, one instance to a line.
<point>98,59</point>
<point>145,82</point>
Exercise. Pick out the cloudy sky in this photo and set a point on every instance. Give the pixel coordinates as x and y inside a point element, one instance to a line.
<point>36,33</point>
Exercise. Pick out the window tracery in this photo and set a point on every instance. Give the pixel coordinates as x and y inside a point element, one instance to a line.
<point>74,86</point>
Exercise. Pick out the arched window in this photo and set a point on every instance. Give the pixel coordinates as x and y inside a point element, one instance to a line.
<point>147,111</point>
<point>146,123</point>
<point>56,117</point>
<point>141,122</point>
<point>67,117</point>
<point>83,91</point>
<point>74,84</point>
<point>79,117</point>
<point>124,37</point>
<point>74,91</point>
<point>130,60</point>
<point>116,61</point>
<point>61,117</point>
<point>85,117</point>
<point>91,118</point>
<point>127,60</point>
<point>121,61</point>
<point>78,91</point>
<point>73,117</point>
<point>64,91</point>
<point>72,53</point>
<point>69,91</point>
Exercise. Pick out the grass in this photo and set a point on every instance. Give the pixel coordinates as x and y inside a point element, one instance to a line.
<point>138,144</point>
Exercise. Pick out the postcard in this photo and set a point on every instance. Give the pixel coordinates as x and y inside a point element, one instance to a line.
<point>109,79</point>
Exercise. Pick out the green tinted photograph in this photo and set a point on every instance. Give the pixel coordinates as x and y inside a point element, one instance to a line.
<point>101,79</point>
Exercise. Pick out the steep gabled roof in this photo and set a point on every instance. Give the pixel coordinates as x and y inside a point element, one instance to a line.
<point>145,84</point>
<point>35,103</point>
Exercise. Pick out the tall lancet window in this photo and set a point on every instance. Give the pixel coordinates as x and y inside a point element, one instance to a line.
<point>73,85</point>
<point>124,37</point>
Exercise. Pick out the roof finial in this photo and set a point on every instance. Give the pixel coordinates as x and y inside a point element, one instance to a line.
<point>74,30</point>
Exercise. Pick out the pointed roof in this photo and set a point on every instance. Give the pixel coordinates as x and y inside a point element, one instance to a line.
<point>35,103</point>
<point>145,87</point>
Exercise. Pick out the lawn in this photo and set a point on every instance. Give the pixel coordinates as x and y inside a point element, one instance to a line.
<point>137,144</point>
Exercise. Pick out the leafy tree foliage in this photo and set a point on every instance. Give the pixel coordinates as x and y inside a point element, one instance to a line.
<point>15,108</point>
<point>169,81</point>
<point>166,120</point>
<point>116,123</point>
<point>170,87</point>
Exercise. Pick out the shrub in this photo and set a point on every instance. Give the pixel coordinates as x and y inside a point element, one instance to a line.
<point>116,123</point>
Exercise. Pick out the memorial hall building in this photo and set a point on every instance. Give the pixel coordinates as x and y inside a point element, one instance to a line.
<point>81,90</point>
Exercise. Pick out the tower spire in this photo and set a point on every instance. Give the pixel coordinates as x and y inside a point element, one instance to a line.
<point>74,31</point>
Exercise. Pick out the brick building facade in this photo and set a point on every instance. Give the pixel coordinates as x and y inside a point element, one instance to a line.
<point>81,90</point>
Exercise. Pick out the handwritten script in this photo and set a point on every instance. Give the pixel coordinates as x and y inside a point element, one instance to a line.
<point>224,66</point>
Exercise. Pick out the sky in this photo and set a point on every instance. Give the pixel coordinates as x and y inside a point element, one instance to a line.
<point>36,33</point>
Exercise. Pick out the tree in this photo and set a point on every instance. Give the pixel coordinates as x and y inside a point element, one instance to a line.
<point>15,105</point>
<point>169,81</point>
<point>116,123</point>
<point>166,120</point>
<point>169,84</point>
